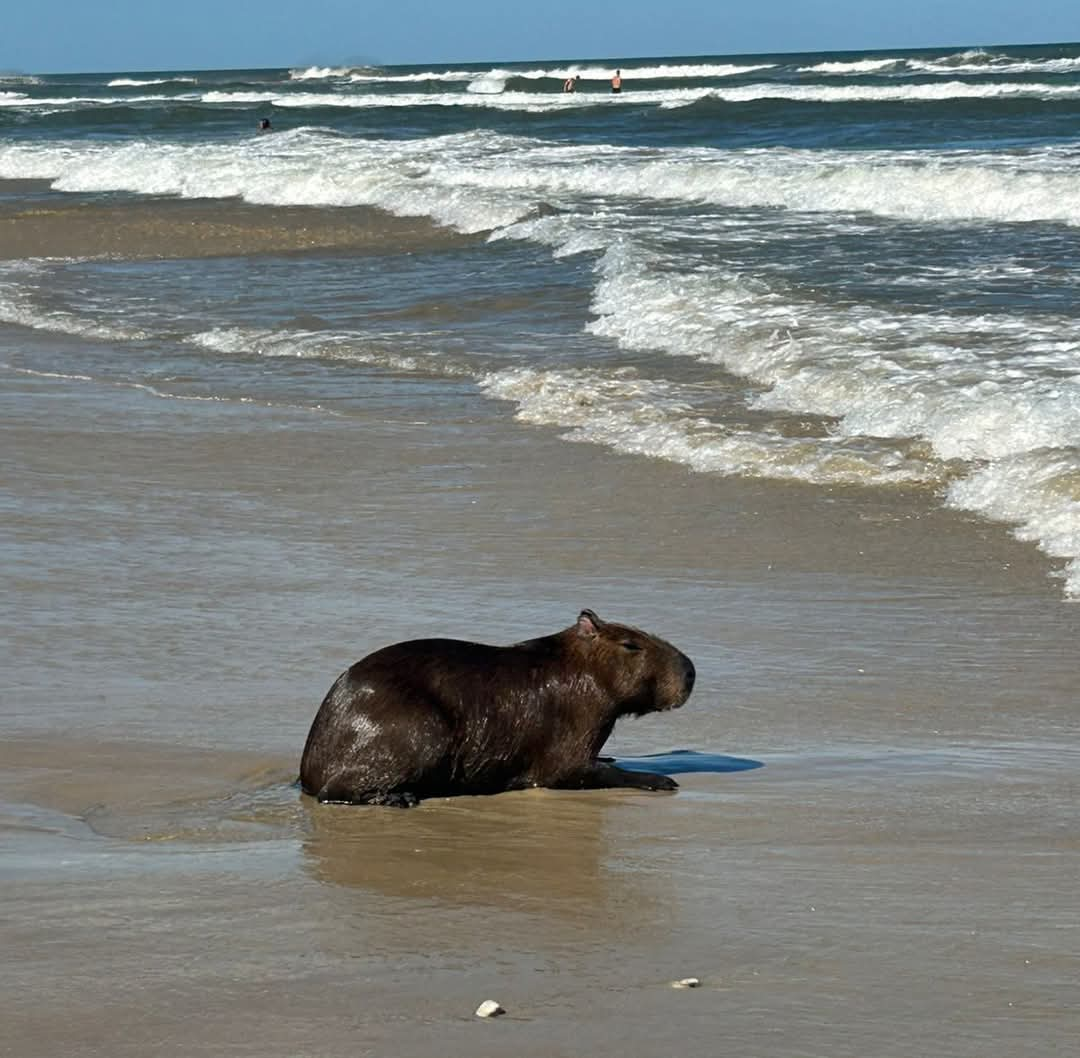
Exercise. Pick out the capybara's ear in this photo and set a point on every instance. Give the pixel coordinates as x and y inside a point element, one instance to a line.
<point>588,624</point>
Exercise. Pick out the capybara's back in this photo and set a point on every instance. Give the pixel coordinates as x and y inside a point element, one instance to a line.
<point>437,717</point>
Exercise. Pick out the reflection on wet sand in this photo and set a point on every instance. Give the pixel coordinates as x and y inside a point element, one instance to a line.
<point>536,851</point>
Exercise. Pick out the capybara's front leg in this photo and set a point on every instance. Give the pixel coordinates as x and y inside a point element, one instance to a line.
<point>603,775</point>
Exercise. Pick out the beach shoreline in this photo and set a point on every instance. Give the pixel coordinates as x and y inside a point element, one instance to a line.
<point>891,882</point>
<point>775,361</point>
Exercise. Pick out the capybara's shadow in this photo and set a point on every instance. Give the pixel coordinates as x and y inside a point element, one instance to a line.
<point>684,761</point>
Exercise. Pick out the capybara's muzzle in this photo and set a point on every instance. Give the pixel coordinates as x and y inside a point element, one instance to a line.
<point>689,675</point>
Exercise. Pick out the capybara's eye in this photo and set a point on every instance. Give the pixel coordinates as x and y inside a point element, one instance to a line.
<point>629,644</point>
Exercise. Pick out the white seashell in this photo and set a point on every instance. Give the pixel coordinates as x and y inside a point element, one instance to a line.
<point>686,982</point>
<point>489,1009</point>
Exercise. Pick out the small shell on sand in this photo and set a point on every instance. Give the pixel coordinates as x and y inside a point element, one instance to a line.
<point>489,1009</point>
<point>686,982</point>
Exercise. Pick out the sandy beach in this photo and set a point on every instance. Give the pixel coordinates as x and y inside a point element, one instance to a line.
<point>54,225</point>
<point>895,879</point>
<point>774,357</point>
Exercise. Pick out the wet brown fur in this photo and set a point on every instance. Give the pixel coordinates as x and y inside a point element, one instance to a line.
<point>438,717</point>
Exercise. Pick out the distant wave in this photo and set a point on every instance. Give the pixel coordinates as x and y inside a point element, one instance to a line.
<point>972,61</point>
<point>15,99</point>
<point>664,71</point>
<point>493,81</point>
<point>129,82</point>
<point>323,73</point>
<point>492,94</point>
<point>966,62</point>
<point>900,93</point>
<point>1002,65</point>
<point>856,66</point>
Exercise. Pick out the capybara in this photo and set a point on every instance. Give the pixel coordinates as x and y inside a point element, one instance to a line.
<point>438,717</point>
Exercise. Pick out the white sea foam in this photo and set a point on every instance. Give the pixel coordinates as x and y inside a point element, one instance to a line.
<point>320,73</point>
<point>129,82</point>
<point>995,399</point>
<point>968,62</point>
<point>1038,492</point>
<point>942,187</point>
<point>649,417</point>
<point>481,181</point>
<point>491,83</point>
<point>414,78</point>
<point>856,66</point>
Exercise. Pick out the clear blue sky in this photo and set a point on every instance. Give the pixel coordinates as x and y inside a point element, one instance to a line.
<point>80,35</point>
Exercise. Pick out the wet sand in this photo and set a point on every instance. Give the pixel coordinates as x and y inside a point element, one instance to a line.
<point>186,579</point>
<point>62,225</point>
<point>888,904</point>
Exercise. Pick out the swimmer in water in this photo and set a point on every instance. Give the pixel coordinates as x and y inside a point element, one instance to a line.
<point>570,84</point>
<point>264,125</point>
<point>616,82</point>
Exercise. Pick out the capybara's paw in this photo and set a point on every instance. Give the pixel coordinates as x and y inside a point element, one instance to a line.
<point>659,782</point>
<point>396,800</point>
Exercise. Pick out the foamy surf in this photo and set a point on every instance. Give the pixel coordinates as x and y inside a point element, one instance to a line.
<point>484,181</point>
<point>1000,429</point>
<point>647,418</point>
<point>869,255</point>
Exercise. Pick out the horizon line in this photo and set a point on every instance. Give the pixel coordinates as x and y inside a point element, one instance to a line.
<point>605,60</point>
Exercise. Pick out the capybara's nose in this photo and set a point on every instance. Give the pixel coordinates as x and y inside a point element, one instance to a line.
<point>689,675</point>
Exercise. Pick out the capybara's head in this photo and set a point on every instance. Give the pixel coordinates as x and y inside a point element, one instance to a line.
<point>640,673</point>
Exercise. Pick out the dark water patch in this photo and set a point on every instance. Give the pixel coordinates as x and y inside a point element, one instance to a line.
<point>894,124</point>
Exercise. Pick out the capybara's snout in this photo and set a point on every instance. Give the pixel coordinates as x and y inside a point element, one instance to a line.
<point>689,675</point>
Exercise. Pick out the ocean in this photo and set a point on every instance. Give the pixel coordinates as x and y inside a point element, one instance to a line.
<point>776,356</point>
